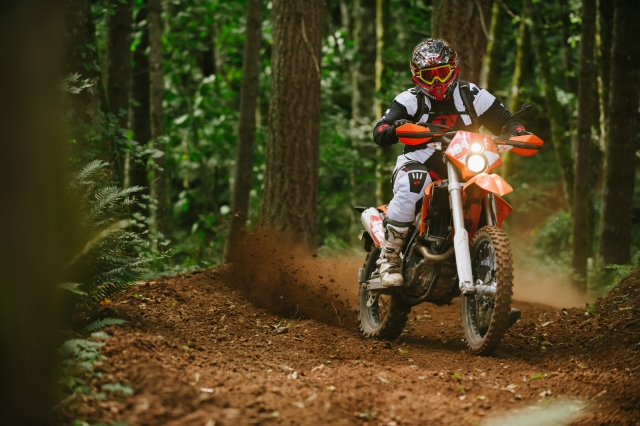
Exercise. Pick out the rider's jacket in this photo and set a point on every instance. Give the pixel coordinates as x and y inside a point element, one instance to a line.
<point>451,112</point>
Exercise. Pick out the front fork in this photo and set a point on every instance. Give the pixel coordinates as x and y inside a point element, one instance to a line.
<point>461,237</point>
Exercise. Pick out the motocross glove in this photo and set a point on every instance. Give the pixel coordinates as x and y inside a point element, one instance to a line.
<point>399,123</point>
<point>521,132</point>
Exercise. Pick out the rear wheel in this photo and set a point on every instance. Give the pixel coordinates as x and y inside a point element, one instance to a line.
<point>486,317</point>
<point>382,316</point>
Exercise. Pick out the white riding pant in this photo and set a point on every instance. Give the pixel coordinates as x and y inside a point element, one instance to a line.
<point>409,182</point>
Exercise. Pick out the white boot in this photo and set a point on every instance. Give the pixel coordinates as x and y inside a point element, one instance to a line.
<point>389,263</point>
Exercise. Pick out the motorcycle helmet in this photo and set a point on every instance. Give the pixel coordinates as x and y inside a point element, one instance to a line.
<point>434,67</point>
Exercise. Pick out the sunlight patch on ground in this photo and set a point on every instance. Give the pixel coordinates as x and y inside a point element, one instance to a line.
<point>547,413</point>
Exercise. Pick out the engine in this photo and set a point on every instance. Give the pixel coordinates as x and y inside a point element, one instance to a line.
<point>434,279</point>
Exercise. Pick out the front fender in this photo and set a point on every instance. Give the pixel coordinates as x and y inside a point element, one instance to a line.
<point>490,183</point>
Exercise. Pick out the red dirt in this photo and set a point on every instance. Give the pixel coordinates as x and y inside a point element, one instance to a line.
<point>283,365</point>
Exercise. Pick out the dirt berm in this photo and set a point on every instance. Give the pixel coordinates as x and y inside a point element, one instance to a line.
<point>277,344</point>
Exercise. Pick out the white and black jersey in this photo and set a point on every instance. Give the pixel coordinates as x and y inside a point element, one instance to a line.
<point>451,112</point>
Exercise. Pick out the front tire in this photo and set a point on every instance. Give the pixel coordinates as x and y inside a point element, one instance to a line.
<point>387,316</point>
<point>485,319</point>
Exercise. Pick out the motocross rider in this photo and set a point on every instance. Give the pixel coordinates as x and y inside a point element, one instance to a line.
<point>445,100</point>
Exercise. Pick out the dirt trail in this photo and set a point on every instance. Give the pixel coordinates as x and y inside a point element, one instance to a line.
<point>201,349</point>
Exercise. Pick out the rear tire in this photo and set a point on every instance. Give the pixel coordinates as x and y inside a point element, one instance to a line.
<point>485,320</point>
<point>387,316</point>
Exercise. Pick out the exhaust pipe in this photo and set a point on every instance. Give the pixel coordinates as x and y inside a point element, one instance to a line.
<point>436,258</point>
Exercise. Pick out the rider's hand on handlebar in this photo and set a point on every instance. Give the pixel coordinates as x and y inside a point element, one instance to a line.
<point>521,132</point>
<point>399,123</point>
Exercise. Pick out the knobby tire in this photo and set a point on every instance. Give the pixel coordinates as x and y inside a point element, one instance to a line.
<point>391,326</point>
<point>485,345</point>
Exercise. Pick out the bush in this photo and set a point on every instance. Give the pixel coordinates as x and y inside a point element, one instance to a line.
<point>552,239</point>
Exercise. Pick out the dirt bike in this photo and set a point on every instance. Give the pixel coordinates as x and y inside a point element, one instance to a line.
<point>457,247</point>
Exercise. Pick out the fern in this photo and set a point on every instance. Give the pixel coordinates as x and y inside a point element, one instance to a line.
<point>113,256</point>
<point>82,177</point>
<point>110,197</point>
<point>102,323</point>
<point>74,288</point>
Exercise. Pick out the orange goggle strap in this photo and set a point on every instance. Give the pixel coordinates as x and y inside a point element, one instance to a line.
<point>435,77</point>
<point>425,206</point>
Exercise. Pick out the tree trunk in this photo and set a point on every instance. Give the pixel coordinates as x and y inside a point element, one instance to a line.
<point>461,22</point>
<point>291,177</point>
<point>82,58</point>
<point>36,223</point>
<point>615,224</point>
<point>364,62</point>
<point>582,166</point>
<point>246,130</point>
<point>118,69</point>
<point>156,96</point>
<point>522,66</point>
<point>561,143</point>
<point>384,157</point>
<point>605,32</point>
<point>565,18</point>
<point>495,49</point>
<point>345,17</point>
<point>139,115</point>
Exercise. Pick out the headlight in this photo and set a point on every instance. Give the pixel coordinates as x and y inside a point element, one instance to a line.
<point>477,147</point>
<point>477,163</point>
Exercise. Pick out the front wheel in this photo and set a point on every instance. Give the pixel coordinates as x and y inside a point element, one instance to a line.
<point>382,316</point>
<point>485,317</point>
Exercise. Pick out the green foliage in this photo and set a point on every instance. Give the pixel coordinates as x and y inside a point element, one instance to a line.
<point>117,388</point>
<point>102,323</point>
<point>81,350</point>
<point>115,255</point>
<point>74,85</point>
<point>553,238</point>
<point>77,358</point>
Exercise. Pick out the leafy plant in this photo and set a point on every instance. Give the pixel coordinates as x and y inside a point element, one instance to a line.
<point>117,388</point>
<point>115,255</point>
<point>553,238</point>
<point>102,323</point>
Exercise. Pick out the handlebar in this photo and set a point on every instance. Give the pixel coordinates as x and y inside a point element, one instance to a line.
<point>502,139</point>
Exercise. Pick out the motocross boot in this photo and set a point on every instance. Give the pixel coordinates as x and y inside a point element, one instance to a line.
<point>389,263</point>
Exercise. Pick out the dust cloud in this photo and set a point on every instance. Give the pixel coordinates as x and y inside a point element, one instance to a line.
<point>278,275</point>
<point>535,281</point>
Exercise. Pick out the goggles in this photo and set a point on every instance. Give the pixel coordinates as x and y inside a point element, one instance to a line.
<point>441,73</point>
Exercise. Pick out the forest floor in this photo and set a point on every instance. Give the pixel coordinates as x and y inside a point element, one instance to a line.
<point>277,343</point>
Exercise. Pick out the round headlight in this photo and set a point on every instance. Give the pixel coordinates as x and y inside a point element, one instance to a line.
<point>477,147</point>
<point>477,163</point>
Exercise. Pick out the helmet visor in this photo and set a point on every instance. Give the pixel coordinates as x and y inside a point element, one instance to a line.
<point>442,73</point>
